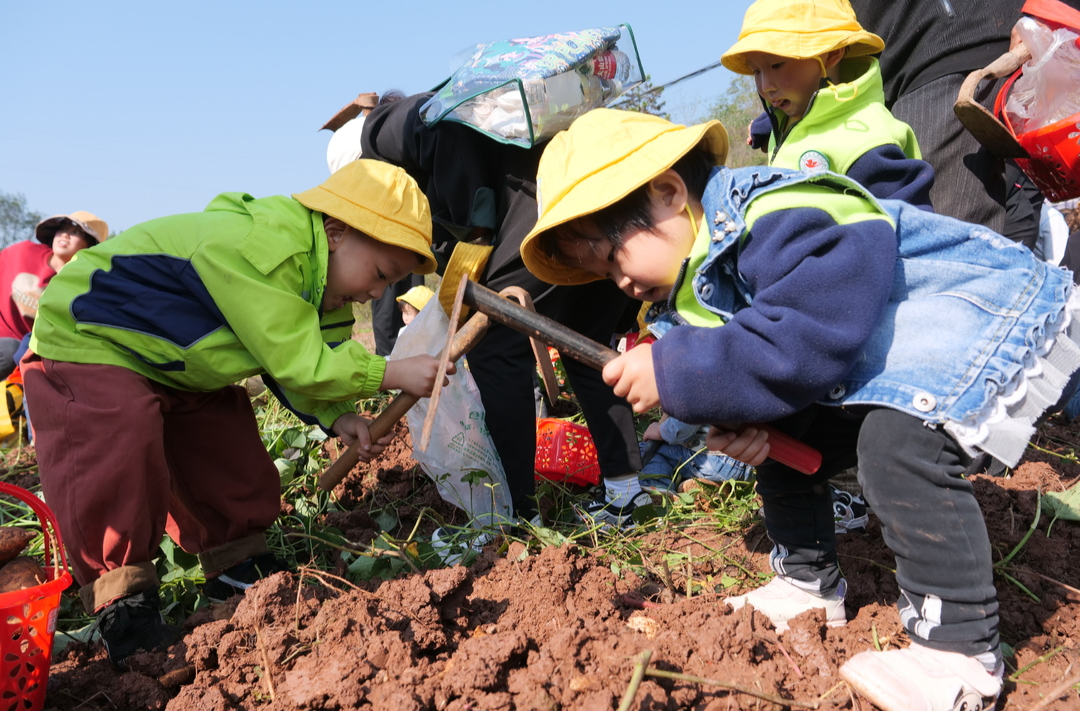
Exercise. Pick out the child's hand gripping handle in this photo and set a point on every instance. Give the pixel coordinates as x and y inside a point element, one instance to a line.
<point>789,451</point>
<point>782,448</point>
<point>466,337</point>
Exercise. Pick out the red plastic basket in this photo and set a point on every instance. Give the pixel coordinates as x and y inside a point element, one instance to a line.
<point>28,618</point>
<point>1054,151</point>
<point>565,452</point>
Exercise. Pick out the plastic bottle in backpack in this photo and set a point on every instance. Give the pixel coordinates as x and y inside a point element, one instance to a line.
<point>611,65</point>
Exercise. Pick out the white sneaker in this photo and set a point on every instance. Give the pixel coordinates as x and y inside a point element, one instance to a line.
<point>780,601</point>
<point>922,679</point>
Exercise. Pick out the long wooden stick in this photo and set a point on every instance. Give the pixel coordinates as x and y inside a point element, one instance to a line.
<point>467,337</point>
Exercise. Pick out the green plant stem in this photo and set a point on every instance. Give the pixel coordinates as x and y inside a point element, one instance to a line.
<point>640,665</point>
<point>1038,512</point>
<point>1015,676</point>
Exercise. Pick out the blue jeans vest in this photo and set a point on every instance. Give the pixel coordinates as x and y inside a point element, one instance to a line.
<point>978,335</point>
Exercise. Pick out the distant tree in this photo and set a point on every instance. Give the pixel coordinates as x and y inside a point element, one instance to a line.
<point>644,99</point>
<point>16,222</point>
<point>736,108</point>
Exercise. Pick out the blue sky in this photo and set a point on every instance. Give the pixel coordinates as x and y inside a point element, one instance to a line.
<point>136,110</point>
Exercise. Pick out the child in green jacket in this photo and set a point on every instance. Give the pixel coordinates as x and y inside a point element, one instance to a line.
<point>823,97</point>
<point>137,344</point>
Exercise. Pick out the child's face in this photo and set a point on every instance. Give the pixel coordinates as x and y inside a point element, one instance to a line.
<point>787,84</point>
<point>408,313</point>
<point>647,263</point>
<point>360,267</point>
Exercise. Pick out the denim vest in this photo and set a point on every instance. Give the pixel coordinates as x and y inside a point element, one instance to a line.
<point>977,335</point>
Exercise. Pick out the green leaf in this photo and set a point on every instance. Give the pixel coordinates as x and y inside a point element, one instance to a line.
<point>294,438</point>
<point>1062,504</point>
<point>386,519</point>
<point>286,470</point>
<point>550,537</point>
<point>367,567</point>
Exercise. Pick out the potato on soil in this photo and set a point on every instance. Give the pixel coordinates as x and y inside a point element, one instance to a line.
<point>13,540</point>
<point>21,573</point>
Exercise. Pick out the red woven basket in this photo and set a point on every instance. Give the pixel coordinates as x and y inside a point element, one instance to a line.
<point>565,452</point>
<point>28,618</point>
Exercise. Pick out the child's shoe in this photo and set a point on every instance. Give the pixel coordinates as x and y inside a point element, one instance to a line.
<point>600,510</point>
<point>134,623</point>
<point>849,512</point>
<point>781,601</point>
<point>240,577</point>
<point>922,679</point>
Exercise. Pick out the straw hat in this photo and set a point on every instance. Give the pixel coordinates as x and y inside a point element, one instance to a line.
<point>92,225</point>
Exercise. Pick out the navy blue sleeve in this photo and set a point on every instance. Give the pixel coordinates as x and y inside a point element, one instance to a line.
<point>889,174</point>
<point>761,129</point>
<point>819,290</point>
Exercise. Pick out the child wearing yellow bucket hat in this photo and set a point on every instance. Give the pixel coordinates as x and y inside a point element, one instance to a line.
<point>882,335</point>
<point>138,341</point>
<point>413,301</point>
<point>823,97</point>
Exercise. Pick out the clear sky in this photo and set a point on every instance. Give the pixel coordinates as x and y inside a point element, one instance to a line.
<point>136,110</point>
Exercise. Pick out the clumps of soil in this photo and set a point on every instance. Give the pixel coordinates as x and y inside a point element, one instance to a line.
<point>558,629</point>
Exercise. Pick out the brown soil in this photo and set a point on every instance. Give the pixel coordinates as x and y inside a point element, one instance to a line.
<point>557,629</point>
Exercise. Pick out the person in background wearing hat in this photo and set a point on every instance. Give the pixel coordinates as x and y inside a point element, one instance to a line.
<point>880,334</point>
<point>413,301</point>
<point>26,268</point>
<point>136,346</point>
<point>824,105</point>
<point>483,203</point>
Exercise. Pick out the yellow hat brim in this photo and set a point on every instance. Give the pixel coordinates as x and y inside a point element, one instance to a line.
<point>797,45</point>
<point>611,183</point>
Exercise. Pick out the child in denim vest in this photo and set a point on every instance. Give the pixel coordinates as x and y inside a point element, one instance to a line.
<point>880,334</point>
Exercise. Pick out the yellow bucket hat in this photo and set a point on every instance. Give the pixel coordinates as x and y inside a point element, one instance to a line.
<point>604,156</point>
<point>417,297</point>
<point>91,224</point>
<point>800,29</point>
<point>380,200</point>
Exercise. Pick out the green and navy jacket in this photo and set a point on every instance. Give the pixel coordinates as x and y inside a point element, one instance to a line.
<point>829,296</point>
<point>201,300</point>
<point>848,130</point>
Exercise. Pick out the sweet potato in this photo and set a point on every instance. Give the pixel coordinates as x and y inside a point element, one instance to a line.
<point>21,573</point>
<point>13,540</point>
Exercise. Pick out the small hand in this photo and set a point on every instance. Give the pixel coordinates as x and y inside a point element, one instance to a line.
<point>351,428</point>
<point>632,377</point>
<point>652,432</point>
<point>415,375</point>
<point>749,445</point>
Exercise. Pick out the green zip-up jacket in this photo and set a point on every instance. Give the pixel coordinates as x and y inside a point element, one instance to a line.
<point>843,122</point>
<point>201,300</point>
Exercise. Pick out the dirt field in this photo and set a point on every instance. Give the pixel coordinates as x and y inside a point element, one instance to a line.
<point>559,630</point>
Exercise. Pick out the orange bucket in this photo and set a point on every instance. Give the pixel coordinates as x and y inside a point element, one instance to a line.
<point>565,452</point>
<point>1054,151</point>
<point>28,618</point>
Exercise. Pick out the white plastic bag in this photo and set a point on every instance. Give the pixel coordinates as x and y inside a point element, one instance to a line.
<point>1049,89</point>
<point>460,458</point>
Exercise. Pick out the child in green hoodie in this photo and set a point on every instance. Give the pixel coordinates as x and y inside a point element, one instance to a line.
<point>823,97</point>
<point>140,430</point>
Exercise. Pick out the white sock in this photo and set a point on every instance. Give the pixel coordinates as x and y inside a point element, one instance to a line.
<point>621,489</point>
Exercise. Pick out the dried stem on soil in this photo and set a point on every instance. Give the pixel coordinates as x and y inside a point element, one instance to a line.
<point>1057,692</point>
<point>778,643</point>
<point>267,675</point>
<point>733,687</point>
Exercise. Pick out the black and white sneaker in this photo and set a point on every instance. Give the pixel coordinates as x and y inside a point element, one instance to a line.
<point>240,577</point>
<point>600,510</point>
<point>849,512</point>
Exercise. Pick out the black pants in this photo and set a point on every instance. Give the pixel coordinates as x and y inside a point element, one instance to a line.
<point>912,477</point>
<point>503,365</point>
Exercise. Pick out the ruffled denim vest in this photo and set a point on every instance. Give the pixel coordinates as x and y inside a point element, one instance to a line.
<point>978,336</point>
